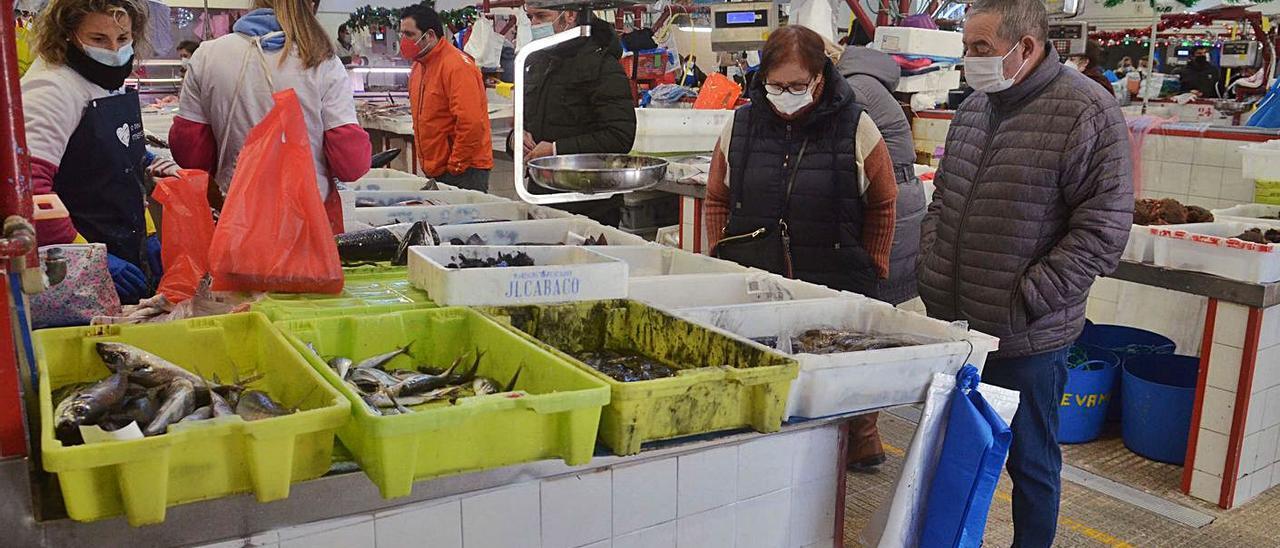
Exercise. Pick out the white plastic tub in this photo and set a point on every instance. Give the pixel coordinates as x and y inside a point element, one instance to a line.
<point>1141,246</point>
<point>746,289</point>
<point>541,231</point>
<point>916,41</point>
<point>1261,161</point>
<point>452,214</point>
<point>667,130</point>
<point>655,260</point>
<point>832,384</point>
<point>387,173</point>
<point>1249,213</point>
<point>938,80</point>
<point>561,273</point>
<point>1212,248</point>
<point>388,198</point>
<point>408,183</point>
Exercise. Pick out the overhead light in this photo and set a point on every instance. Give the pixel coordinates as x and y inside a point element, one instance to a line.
<point>694,29</point>
<point>381,70</point>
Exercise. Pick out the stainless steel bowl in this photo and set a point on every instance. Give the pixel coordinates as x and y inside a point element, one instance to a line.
<point>597,173</point>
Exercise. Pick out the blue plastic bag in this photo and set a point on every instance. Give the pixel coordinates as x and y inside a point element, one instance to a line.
<point>973,453</point>
<point>1268,113</point>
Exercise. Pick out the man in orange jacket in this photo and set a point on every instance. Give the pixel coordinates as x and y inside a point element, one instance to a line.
<point>448,103</point>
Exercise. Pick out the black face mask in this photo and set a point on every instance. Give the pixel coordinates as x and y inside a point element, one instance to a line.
<point>104,76</point>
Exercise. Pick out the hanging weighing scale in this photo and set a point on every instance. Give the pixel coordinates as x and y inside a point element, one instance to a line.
<point>576,177</point>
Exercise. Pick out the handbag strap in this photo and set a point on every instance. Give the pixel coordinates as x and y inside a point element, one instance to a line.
<point>791,182</point>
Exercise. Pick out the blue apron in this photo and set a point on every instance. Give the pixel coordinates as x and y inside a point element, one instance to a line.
<point>100,177</point>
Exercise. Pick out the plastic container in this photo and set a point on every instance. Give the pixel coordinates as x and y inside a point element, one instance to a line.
<point>1212,248</point>
<point>387,173</point>
<point>648,210</point>
<point>1126,342</point>
<point>724,382</point>
<point>554,412</point>
<point>450,214</point>
<point>383,286</point>
<point>388,198</point>
<point>540,231</point>
<point>1261,161</point>
<point>1250,213</point>
<point>399,184</point>
<point>751,288</point>
<point>832,384</point>
<point>939,80</point>
<point>1091,382</point>
<point>1141,247</point>
<point>1159,395</point>
<point>672,130</point>
<point>197,460</point>
<point>653,260</point>
<point>917,41</point>
<point>561,273</point>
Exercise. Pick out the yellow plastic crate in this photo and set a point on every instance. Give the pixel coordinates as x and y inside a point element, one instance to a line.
<point>725,382</point>
<point>198,460</point>
<point>380,287</point>
<point>555,418</point>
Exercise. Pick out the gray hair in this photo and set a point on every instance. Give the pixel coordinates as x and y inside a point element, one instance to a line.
<point>1018,18</point>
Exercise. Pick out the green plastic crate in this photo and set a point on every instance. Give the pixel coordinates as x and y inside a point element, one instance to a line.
<point>702,397</point>
<point>199,460</point>
<point>556,418</point>
<point>376,288</point>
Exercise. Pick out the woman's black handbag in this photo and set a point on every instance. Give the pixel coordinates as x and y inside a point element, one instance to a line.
<point>768,247</point>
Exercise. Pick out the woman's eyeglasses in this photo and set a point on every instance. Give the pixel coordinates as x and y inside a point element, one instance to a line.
<point>794,89</point>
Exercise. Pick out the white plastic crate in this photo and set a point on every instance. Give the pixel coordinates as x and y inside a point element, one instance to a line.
<point>388,198</point>
<point>407,183</point>
<point>915,41</point>
<point>1141,246</point>
<point>541,231</point>
<point>387,173</point>
<point>1212,248</point>
<point>747,289</point>
<point>831,384</point>
<point>1261,161</point>
<point>667,130</point>
<point>451,214</point>
<point>938,80</point>
<point>1249,213</point>
<point>655,260</point>
<point>561,273</point>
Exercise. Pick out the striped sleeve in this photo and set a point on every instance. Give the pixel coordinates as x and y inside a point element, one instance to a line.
<point>879,190</point>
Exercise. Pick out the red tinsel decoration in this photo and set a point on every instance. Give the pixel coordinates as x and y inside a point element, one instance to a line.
<point>1169,21</point>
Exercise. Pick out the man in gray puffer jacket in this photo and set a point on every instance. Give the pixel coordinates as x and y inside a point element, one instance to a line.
<point>1034,200</point>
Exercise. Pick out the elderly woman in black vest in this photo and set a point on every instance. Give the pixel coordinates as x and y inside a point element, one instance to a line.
<point>801,181</point>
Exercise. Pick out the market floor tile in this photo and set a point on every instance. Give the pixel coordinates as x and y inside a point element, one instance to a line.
<point>1088,518</point>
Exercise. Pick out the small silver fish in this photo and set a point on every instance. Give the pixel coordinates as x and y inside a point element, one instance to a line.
<point>143,367</point>
<point>341,366</point>
<point>220,406</point>
<point>200,414</point>
<point>86,405</point>
<point>256,405</point>
<point>179,401</point>
<point>380,361</point>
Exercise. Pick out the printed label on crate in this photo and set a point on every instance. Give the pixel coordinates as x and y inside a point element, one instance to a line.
<point>543,283</point>
<point>1084,400</point>
<point>1216,241</point>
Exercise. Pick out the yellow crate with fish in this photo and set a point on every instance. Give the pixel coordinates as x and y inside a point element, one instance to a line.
<point>378,287</point>
<point>448,390</point>
<point>179,412</point>
<point>669,377</point>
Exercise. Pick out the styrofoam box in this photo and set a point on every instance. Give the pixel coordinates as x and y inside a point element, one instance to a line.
<point>696,290</point>
<point>388,198</point>
<point>831,384</point>
<point>938,80</point>
<point>654,260</point>
<point>1261,161</point>
<point>1249,213</point>
<point>408,183</point>
<point>914,41</point>
<point>443,215</point>
<point>664,130</point>
<point>561,273</point>
<point>1212,249</point>
<point>541,231</point>
<point>1141,248</point>
<point>387,173</point>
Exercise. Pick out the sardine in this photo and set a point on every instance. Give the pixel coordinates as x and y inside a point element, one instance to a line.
<point>141,409</point>
<point>341,366</point>
<point>484,386</point>
<point>143,367</point>
<point>370,380</point>
<point>200,414</point>
<point>421,382</point>
<point>255,405</point>
<point>220,406</point>
<point>86,406</point>
<point>467,376</point>
<point>380,361</point>
<point>179,401</point>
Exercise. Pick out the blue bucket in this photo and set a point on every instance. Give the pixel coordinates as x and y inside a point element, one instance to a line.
<point>1092,374</point>
<point>1159,393</point>
<point>1125,341</point>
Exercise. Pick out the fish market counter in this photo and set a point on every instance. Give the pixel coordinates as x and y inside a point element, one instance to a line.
<point>1235,423</point>
<point>784,488</point>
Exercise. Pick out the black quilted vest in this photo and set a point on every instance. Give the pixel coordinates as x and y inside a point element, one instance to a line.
<point>825,213</point>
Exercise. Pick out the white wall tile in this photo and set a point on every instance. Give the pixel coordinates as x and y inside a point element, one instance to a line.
<point>1100,311</point>
<point>233,543</point>
<point>1245,489</point>
<point>762,522</point>
<point>706,480</point>
<point>1218,410</point>
<point>1230,326</point>
<point>813,510</point>
<point>1256,420</point>
<point>1248,455</point>
<point>1224,367</point>
<point>601,544</point>
<point>765,464</point>
<point>505,518</point>
<point>1153,147</point>
<point>1232,157</point>
<point>658,536</point>
<point>1175,178</point>
<point>1270,335</point>
<point>710,529</point>
<point>577,510</point>
<point>1267,448</point>
<point>1206,181</point>
<point>1179,149</point>
<point>1272,414</point>
<point>1205,486</point>
<point>1211,452</point>
<point>1235,188</point>
<point>1210,152</point>
<point>1107,289</point>
<point>644,495</point>
<point>816,454</point>
<point>1266,370</point>
<point>420,525</point>
<point>334,533</point>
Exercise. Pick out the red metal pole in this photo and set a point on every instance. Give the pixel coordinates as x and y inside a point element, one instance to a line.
<point>882,19</point>
<point>862,17</point>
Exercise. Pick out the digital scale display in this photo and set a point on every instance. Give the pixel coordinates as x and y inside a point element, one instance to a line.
<point>1235,48</point>
<point>740,17</point>
<point>745,18</point>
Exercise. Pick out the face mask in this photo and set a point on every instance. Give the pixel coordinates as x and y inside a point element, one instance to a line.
<point>986,74</point>
<point>542,30</point>
<point>411,49</point>
<point>186,64</point>
<point>117,58</point>
<point>787,103</point>
<point>1073,64</point>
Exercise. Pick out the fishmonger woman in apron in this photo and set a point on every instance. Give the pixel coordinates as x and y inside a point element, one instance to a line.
<point>84,131</point>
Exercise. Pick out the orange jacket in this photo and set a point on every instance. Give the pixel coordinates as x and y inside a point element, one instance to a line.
<point>450,112</point>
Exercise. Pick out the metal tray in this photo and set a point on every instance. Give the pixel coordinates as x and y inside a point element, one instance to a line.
<point>597,173</point>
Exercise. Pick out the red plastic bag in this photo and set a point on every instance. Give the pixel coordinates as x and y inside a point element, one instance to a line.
<point>718,93</point>
<point>186,228</point>
<point>273,234</point>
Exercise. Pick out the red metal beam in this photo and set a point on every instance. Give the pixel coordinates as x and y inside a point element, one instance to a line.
<point>1244,391</point>
<point>1197,410</point>
<point>882,18</point>
<point>862,17</point>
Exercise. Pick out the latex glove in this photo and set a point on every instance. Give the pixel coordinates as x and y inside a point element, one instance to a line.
<point>130,283</point>
<point>162,167</point>
<point>542,149</point>
<point>153,256</point>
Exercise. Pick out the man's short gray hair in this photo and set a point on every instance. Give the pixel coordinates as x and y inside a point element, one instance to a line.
<point>1018,18</point>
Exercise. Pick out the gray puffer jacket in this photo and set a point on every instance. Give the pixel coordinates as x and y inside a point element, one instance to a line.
<point>1034,199</point>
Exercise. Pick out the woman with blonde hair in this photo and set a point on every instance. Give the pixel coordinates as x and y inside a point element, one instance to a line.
<point>229,87</point>
<point>84,131</point>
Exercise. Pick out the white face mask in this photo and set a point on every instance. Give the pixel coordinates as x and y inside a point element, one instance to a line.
<point>986,74</point>
<point>117,58</point>
<point>543,30</point>
<point>788,103</point>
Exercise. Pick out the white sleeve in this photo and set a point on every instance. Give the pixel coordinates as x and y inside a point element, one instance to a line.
<point>339,107</point>
<point>191,102</point>
<point>51,111</point>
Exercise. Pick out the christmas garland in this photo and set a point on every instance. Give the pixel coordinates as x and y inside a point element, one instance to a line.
<point>1171,21</point>
<point>368,17</point>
